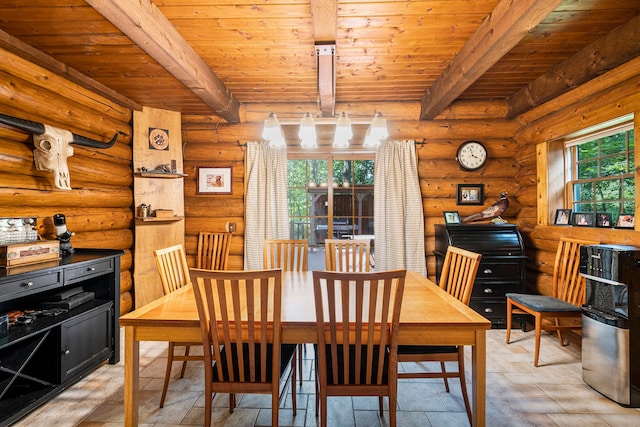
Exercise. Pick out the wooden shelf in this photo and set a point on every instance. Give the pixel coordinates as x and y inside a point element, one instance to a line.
<point>160,175</point>
<point>154,219</point>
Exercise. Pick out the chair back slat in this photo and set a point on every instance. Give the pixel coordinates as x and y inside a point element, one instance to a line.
<point>358,313</point>
<point>240,309</point>
<point>172,267</point>
<point>213,250</point>
<point>459,272</point>
<point>568,284</point>
<point>348,255</point>
<point>289,255</point>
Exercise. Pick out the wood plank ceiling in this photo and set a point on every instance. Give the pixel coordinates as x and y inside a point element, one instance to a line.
<point>220,57</point>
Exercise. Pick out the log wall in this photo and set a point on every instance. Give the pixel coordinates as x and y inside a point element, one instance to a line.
<point>609,96</point>
<point>210,144</point>
<point>99,206</point>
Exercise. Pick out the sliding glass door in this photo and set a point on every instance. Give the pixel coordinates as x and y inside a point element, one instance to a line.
<point>330,197</point>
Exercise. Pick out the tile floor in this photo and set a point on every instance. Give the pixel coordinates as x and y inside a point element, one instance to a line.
<point>517,395</point>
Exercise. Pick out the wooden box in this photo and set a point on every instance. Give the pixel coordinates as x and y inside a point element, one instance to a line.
<point>15,254</point>
<point>164,213</point>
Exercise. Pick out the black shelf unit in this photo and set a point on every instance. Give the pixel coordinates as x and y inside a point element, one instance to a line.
<point>38,360</point>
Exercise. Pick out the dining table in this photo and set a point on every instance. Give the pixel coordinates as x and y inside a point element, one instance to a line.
<point>429,316</point>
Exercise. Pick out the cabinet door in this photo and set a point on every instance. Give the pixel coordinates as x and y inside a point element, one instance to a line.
<point>85,341</point>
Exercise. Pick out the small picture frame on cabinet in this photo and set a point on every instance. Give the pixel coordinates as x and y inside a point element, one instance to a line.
<point>603,219</point>
<point>584,219</point>
<point>451,217</point>
<point>563,217</point>
<point>625,220</point>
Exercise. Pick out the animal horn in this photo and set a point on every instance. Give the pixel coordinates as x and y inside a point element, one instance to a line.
<point>88,142</point>
<point>38,129</point>
<point>26,125</point>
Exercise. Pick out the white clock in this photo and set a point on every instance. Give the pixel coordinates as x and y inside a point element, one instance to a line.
<point>472,155</point>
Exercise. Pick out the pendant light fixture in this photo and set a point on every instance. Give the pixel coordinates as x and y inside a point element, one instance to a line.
<point>272,131</point>
<point>307,132</point>
<point>376,132</point>
<point>343,131</point>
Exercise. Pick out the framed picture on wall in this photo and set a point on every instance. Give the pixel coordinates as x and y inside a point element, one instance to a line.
<point>584,219</point>
<point>563,217</point>
<point>214,180</point>
<point>451,217</point>
<point>470,194</point>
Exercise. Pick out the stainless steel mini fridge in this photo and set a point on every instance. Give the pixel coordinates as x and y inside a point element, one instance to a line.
<point>611,322</point>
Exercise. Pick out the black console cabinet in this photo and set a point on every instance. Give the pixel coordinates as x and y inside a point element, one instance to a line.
<point>40,359</point>
<point>502,267</point>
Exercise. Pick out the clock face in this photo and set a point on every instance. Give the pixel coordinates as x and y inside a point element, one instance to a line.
<point>472,155</point>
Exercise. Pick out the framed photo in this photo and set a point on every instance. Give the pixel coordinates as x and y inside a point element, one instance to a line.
<point>625,220</point>
<point>470,194</point>
<point>214,180</point>
<point>584,219</point>
<point>451,217</point>
<point>603,219</point>
<point>563,217</point>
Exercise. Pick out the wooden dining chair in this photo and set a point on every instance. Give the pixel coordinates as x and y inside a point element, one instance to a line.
<point>213,250</point>
<point>174,274</point>
<point>249,358</point>
<point>357,316</point>
<point>348,255</point>
<point>568,294</point>
<point>457,278</point>
<point>288,255</point>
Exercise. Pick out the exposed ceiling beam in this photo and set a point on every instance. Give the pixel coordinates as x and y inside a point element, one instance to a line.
<point>324,14</point>
<point>143,23</point>
<point>615,48</point>
<point>23,50</point>
<point>509,22</point>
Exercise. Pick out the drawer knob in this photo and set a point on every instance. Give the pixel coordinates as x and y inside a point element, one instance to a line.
<point>488,310</point>
<point>91,269</point>
<point>28,284</point>
<point>66,352</point>
<point>487,271</point>
<point>488,290</point>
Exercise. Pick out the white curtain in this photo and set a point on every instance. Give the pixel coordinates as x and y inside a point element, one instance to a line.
<point>398,216</point>
<point>266,202</point>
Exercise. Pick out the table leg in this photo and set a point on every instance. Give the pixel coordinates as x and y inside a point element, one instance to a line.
<point>479,378</point>
<point>131,376</point>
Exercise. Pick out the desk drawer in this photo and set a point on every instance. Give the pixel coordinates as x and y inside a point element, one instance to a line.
<point>494,310</point>
<point>26,285</point>
<point>494,290</point>
<point>89,270</point>
<point>499,271</point>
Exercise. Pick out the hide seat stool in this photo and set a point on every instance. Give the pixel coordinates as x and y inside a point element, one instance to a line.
<point>568,294</point>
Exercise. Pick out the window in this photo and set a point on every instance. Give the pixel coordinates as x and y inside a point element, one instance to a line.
<point>602,165</point>
<point>330,196</point>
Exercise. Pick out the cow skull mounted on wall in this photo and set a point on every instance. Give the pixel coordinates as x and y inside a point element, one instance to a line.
<point>53,147</point>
